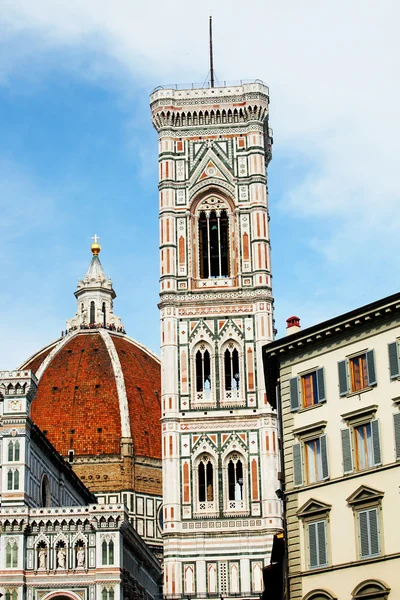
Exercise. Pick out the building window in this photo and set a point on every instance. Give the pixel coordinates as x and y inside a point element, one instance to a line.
<point>214,244</point>
<point>92,313</point>
<point>107,552</point>
<point>107,594</point>
<point>368,533</point>
<point>11,555</point>
<point>206,480</point>
<point>45,495</point>
<point>361,447</point>
<point>13,451</point>
<point>203,374</point>
<point>396,422</point>
<point>11,595</point>
<point>307,390</point>
<point>13,479</point>
<point>371,590</point>
<point>235,478</point>
<point>317,544</point>
<point>357,373</point>
<point>394,360</point>
<point>103,310</point>
<point>232,376</point>
<point>313,454</point>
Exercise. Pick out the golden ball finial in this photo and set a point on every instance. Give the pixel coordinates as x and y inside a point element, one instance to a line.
<point>95,247</point>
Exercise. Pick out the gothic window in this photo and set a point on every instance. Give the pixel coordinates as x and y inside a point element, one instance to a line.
<point>11,595</point>
<point>103,310</point>
<point>203,372</point>
<point>206,480</point>
<point>13,479</point>
<point>235,478</point>
<point>13,451</point>
<point>11,555</point>
<point>232,373</point>
<point>92,313</point>
<point>214,244</point>
<point>107,552</point>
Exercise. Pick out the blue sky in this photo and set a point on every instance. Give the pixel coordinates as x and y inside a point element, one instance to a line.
<point>78,154</point>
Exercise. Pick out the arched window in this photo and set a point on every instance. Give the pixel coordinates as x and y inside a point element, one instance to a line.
<point>45,496</point>
<point>203,372</point>
<point>107,552</point>
<point>235,478</point>
<point>10,451</point>
<point>16,479</point>
<point>232,374</point>
<point>371,590</point>
<point>10,480</point>
<point>92,313</point>
<point>103,310</point>
<point>206,480</point>
<point>214,244</point>
<point>11,555</point>
<point>16,451</point>
<point>11,595</point>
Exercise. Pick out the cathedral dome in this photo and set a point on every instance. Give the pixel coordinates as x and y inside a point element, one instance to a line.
<point>98,389</point>
<point>99,400</point>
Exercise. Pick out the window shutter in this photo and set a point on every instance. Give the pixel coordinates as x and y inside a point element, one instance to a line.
<point>376,442</point>
<point>396,419</point>
<point>321,537</point>
<point>394,363</point>
<point>374,531</point>
<point>346,449</point>
<point>313,544</point>
<point>363,525</point>
<point>371,367</point>
<point>324,457</point>
<point>294,394</point>
<point>343,379</point>
<point>321,385</point>
<point>297,465</point>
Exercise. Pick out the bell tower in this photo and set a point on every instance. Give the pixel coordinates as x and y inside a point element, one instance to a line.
<point>220,461</point>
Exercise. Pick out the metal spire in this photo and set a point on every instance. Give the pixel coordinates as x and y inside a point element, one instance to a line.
<point>211,56</point>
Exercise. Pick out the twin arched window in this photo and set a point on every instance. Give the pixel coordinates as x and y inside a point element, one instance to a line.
<point>11,555</point>
<point>13,479</point>
<point>107,552</point>
<point>214,244</point>
<point>233,487</point>
<point>13,451</point>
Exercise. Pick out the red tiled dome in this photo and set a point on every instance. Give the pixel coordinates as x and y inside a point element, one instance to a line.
<point>95,388</point>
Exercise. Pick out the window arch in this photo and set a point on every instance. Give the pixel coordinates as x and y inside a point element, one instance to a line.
<point>214,244</point>
<point>103,310</point>
<point>232,368</point>
<point>11,595</point>
<point>107,552</point>
<point>319,595</point>
<point>371,590</point>
<point>235,478</point>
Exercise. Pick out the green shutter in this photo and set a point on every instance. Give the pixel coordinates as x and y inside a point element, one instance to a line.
<point>363,527</point>
<point>396,419</point>
<point>346,449</point>
<point>321,538</point>
<point>294,394</point>
<point>374,531</point>
<point>321,385</point>
<point>297,465</point>
<point>343,378</point>
<point>371,367</point>
<point>313,545</point>
<point>324,457</point>
<point>394,363</point>
<point>376,442</point>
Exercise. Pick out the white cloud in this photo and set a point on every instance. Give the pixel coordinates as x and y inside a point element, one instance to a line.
<point>332,71</point>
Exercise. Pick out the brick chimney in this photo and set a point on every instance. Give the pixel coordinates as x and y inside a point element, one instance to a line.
<point>292,325</point>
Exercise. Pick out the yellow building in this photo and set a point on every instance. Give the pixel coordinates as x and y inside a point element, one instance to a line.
<point>337,386</point>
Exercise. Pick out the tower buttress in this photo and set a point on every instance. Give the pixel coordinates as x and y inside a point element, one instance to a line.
<point>220,446</point>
